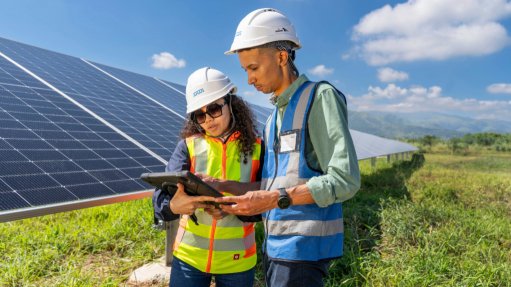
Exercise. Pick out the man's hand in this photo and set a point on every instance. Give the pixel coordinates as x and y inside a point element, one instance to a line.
<point>251,203</point>
<point>182,203</point>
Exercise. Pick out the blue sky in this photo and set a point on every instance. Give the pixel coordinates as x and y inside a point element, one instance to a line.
<point>448,56</point>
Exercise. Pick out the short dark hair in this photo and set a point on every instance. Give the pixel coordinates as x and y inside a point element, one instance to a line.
<point>282,45</point>
<point>287,46</point>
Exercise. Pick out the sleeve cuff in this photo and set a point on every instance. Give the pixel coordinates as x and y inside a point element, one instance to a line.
<point>317,188</point>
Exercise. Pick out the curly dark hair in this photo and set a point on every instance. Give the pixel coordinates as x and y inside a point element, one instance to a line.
<point>244,124</point>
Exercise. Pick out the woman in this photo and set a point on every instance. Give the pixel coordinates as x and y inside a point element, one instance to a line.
<point>219,141</point>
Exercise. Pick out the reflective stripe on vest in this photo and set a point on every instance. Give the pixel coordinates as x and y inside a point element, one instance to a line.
<point>305,227</point>
<point>227,245</point>
<point>301,232</point>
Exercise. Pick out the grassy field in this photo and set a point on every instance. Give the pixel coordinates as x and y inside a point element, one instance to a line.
<point>444,222</point>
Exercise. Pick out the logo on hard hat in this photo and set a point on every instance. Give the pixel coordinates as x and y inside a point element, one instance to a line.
<point>283,29</point>
<point>198,92</point>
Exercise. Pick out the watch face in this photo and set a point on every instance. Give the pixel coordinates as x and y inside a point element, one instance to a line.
<point>284,202</point>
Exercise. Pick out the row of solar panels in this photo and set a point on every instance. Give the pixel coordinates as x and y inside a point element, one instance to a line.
<point>75,133</point>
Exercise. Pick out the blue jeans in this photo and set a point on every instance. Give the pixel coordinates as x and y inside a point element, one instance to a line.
<point>295,274</point>
<point>184,275</point>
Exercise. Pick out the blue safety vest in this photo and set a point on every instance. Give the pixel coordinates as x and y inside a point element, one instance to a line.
<point>301,232</point>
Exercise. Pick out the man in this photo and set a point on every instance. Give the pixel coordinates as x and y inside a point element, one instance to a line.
<point>310,162</point>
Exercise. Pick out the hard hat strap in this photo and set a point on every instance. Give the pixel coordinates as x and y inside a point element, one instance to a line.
<point>287,47</point>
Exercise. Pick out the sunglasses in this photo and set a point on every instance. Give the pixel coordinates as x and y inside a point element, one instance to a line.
<point>214,110</point>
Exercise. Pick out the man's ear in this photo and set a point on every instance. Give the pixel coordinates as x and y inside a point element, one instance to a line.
<point>283,57</point>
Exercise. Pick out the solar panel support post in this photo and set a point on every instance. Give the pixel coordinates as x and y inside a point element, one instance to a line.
<point>170,236</point>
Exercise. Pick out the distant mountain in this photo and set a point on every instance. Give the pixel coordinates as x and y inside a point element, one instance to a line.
<point>399,125</point>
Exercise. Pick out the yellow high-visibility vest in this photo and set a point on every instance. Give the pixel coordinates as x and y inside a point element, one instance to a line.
<point>218,246</point>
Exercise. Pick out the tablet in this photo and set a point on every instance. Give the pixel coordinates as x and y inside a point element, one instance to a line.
<point>193,185</point>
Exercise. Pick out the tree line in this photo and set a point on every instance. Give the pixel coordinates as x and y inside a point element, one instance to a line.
<point>460,145</point>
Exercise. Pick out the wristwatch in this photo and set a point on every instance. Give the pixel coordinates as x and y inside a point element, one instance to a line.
<point>284,199</point>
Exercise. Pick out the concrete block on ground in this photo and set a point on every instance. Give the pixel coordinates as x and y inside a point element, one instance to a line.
<point>151,274</point>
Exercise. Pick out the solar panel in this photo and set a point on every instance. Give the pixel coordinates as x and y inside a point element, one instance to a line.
<point>169,94</point>
<point>53,152</point>
<point>180,88</point>
<point>76,133</point>
<point>160,91</point>
<point>139,117</point>
<point>371,146</point>
<point>261,114</point>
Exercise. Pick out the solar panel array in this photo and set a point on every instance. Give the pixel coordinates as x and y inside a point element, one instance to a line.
<point>371,146</point>
<point>158,90</point>
<point>71,133</point>
<point>76,134</point>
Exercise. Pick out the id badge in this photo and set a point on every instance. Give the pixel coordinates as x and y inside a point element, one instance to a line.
<point>289,141</point>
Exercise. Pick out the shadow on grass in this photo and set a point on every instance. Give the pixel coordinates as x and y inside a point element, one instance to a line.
<point>362,218</point>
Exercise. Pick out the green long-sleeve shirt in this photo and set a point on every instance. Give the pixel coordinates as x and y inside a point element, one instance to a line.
<point>331,148</point>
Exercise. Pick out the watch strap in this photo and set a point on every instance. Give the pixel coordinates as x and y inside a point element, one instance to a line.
<point>283,192</point>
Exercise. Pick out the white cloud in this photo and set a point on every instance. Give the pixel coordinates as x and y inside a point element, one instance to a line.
<point>499,88</point>
<point>321,70</point>
<point>346,56</point>
<point>432,30</point>
<point>387,75</point>
<point>390,92</point>
<point>166,60</point>
<point>393,98</point>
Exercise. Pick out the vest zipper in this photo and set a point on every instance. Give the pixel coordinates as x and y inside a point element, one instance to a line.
<point>276,148</point>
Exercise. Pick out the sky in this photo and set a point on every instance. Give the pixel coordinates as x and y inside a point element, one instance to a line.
<point>443,56</point>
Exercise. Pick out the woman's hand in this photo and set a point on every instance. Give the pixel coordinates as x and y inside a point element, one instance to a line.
<point>215,212</point>
<point>182,203</point>
<point>215,183</point>
<point>230,186</point>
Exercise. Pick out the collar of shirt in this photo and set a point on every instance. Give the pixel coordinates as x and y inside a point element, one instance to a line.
<point>283,99</point>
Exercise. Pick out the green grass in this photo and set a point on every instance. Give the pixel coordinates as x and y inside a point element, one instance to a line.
<point>446,223</point>
<point>443,222</point>
<point>91,247</point>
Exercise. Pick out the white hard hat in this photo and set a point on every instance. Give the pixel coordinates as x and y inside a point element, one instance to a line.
<point>205,86</point>
<point>263,26</point>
